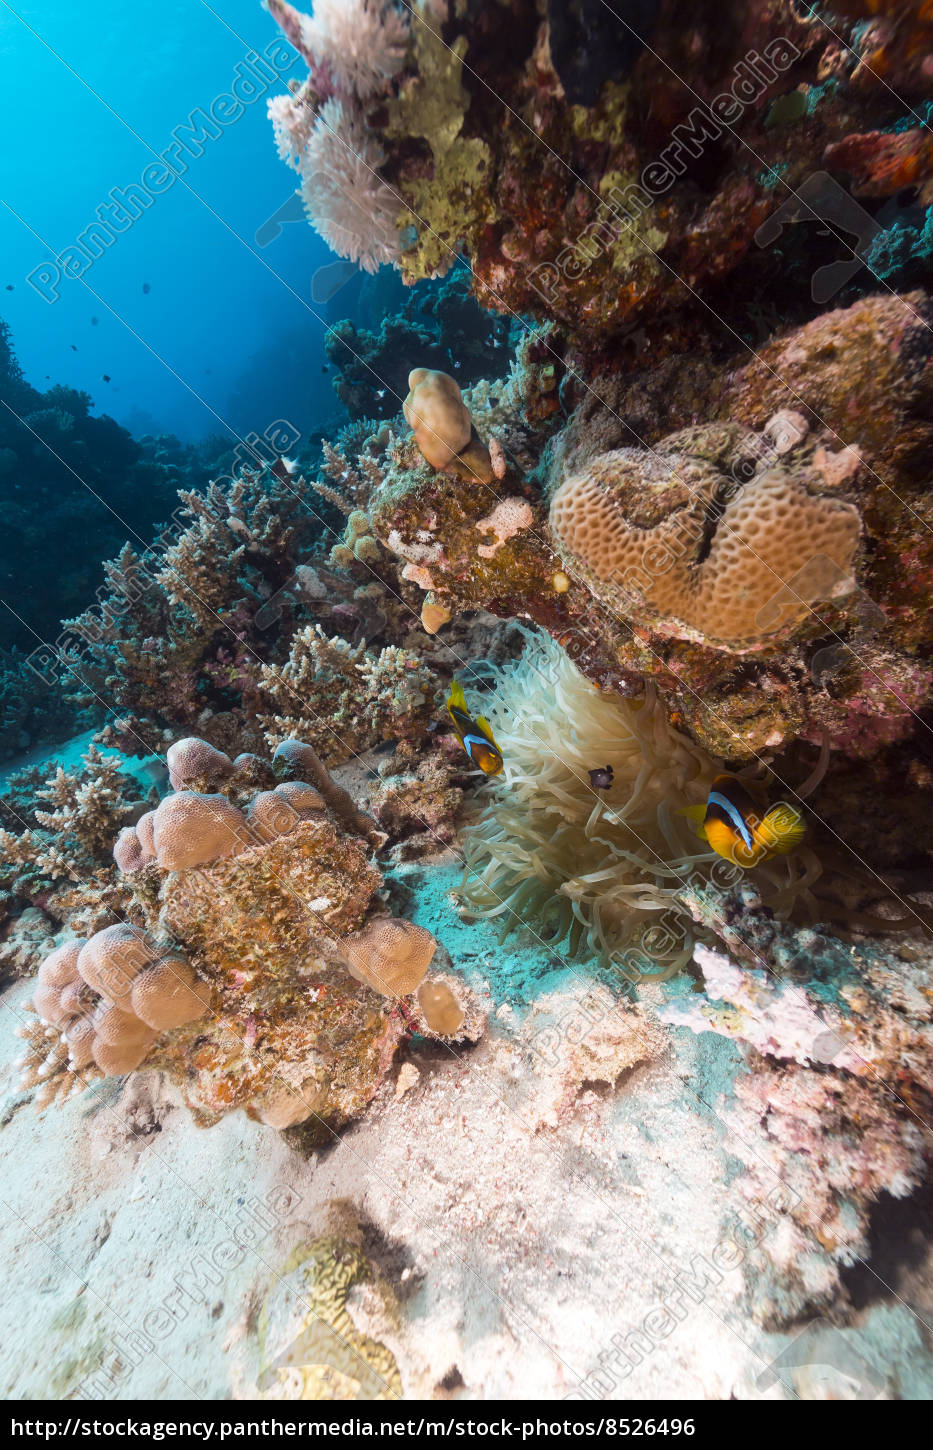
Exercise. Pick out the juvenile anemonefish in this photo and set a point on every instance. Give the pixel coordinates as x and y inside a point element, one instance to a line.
<point>730,822</point>
<point>474,735</point>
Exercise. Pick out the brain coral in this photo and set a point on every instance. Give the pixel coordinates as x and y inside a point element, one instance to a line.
<point>674,538</point>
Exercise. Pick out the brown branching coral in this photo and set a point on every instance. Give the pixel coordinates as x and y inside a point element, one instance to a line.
<point>177,637</point>
<point>345,698</point>
<point>62,858</point>
<point>351,477</point>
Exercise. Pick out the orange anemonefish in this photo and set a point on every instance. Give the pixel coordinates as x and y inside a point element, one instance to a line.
<point>474,735</point>
<point>730,822</point>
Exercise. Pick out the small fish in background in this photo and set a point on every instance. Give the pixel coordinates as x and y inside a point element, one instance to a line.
<point>474,735</point>
<point>95,321</point>
<point>153,773</point>
<point>9,286</point>
<point>106,377</point>
<point>730,822</point>
<point>325,368</point>
<point>602,777</point>
<point>146,287</point>
<point>73,348</point>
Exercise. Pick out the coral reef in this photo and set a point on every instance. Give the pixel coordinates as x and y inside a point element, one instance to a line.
<point>437,326</point>
<point>101,1005</point>
<point>34,710</point>
<point>831,622</point>
<point>345,698</point>
<point>56,841</point>
<point>56,463</point>
<point>658,151</point>
<point>181,630</point>
<point>838,1039</point>
<point>265,905</point>
<point>417,797</point>
<point>636,459</point>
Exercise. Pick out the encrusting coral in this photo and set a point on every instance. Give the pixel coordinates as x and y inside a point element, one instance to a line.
<point>306,1330</point>
<point>252,913</point>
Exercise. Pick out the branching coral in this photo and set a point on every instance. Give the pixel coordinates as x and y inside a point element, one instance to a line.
<point>594,869</point>
<point>346,698</point>
<point>56,849</point>
<point>175,640</point>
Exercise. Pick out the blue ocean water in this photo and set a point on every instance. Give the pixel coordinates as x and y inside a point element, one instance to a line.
<point>199,329</point>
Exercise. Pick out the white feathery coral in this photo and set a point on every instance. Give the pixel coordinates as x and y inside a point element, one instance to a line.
<point>292,123</point>
<point>362,43</point>
<point>346,201</point>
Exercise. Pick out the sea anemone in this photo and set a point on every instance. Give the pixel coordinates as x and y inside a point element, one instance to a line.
<point>596,869</point>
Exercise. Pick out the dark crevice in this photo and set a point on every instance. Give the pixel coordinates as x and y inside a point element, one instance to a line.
<point>900,1238</point>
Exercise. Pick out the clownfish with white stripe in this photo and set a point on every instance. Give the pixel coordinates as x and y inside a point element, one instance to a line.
<point>474,735</point>
<point>731,824</point>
